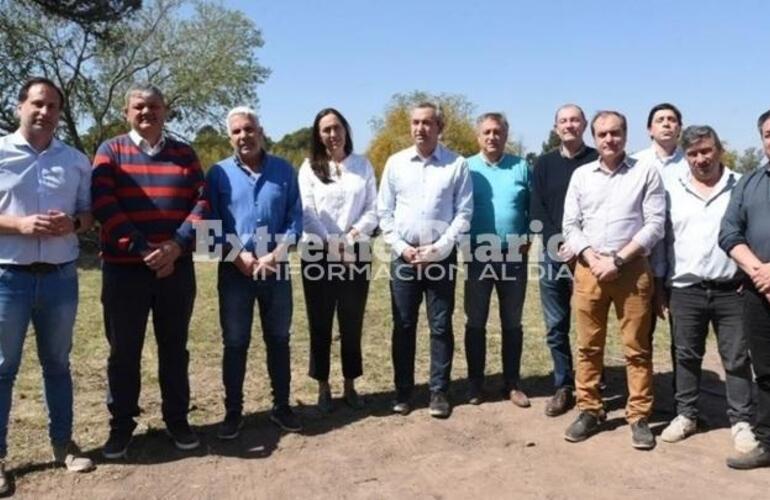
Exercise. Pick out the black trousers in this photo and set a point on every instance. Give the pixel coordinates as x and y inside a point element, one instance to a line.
<point>756,323</point>
<point>129,293</point>
<point>694,309</point>
<point>342,288</point>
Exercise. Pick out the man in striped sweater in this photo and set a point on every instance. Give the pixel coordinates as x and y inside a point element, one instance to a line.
<point>146,190</point>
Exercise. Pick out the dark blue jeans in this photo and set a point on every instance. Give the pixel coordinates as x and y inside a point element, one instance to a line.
<point>510,281</point>
<point>237,297</point>
<point>555,296</point>
<point>408,284</point>
<point>129,293</point>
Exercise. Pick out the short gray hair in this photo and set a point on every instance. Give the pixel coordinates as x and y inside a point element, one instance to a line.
<point>242,110</point>
<point>144,88</point>
<point>494,116</point>
<point>697,133</point>
<point>431,105</point>
<point>567,106</point>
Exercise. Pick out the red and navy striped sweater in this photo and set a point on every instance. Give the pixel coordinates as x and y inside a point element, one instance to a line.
<point>140,198</point>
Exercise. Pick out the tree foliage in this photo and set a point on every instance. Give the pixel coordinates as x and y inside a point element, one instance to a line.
<point>93,15</point>
<point>749,160</point>
<point>211,146</point>
<point>205,63</point>
<point>294,147</point>
<point>391,131</point>
<point>551,143</point>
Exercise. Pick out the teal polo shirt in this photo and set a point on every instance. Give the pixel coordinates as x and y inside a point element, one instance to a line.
<point>500,196</point>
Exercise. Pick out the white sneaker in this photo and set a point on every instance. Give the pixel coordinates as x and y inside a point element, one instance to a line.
<point>743,437</point>
<point>679,428</point>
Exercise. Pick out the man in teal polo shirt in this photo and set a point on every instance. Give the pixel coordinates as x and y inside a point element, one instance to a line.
<point>498,243</point>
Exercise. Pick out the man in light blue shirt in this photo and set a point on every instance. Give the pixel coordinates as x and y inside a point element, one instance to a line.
<point>44,201</point>
<point>256,197</point>
<point>501,189</point>
<point>425,205</point>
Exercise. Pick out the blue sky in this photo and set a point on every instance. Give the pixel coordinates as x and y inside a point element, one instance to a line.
<point>708,57</point>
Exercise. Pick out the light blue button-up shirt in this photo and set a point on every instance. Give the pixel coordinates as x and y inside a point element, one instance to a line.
<point>425,201</point>
<point>34,182</point>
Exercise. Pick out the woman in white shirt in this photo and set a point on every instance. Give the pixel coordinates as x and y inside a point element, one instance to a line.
<point>338,192</point>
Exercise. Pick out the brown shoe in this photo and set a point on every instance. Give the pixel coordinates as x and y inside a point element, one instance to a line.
<point>560,403</point>
<point>519,398</point>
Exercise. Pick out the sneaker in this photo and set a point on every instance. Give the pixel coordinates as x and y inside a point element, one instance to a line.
<point>641,435</point>
<point>70,456</point>
<point>5,484</point>
<point>182,435</point>
<point>743,437</point>
<point>439,405</point>
<point>325,404</point>
<point>353,400</point>
<point>758,457</point>
<point>230,426</point>
<point>117,444</point>
<point>561,402</point>
<point>518,398</point>
<point>679,428</point>
<point>584,426</point>
<point>284,417</point>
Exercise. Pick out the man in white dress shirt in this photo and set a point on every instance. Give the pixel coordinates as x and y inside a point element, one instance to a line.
<point>425,203</point>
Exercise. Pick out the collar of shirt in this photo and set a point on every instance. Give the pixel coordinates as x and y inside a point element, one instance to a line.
<point>254,176</point>
<point>145,146</point>
<point>727,180</point>
<point>434,156</point>
<point>577,153</point>
<point>17,139</point>
<point>490,163</point>
<point>677,156</point>
<point>626,163</point>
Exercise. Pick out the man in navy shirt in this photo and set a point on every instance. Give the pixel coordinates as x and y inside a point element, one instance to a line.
<point>256,197</point>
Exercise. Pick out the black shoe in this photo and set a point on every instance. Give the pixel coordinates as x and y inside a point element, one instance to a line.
<point>325,404</point>
<point>117,444</point>
<point>475,393</point>
<point>586,424</point>
<point>230,426</point>
<point>284,417</point>
<point>402,405</point>
<point>758,457</point>
<point>182,435</point>
<point>353,400</point>
<point>641,435</point>
<point>439,405</point>
<point>561,402</point>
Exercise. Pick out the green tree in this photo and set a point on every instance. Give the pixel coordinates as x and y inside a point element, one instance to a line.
<point>551,143</point>
<point>391,131</point>
<point>295,146</point>
<point>211,146</point>
<point>749,160</point>
<point>205,63</point>
<point>93,15</point>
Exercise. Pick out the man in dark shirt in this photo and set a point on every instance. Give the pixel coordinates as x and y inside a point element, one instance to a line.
<point>551,177</point>
<point>745,236</point>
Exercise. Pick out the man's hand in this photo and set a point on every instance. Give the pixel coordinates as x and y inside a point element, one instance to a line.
<point>265,266</point>
<point>760,276</point>
<point>565,253</point>
<point>426,254</point>
<point>161,254</point>
<point>36,225</point>
<point>246,262</point>
<point>604,269</point>
<point>660,299</point>
<point>409,255</point>
<point>165,271</point>
<point>61,222</point>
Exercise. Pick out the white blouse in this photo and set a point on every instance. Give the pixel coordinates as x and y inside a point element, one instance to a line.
<point>348,201</point>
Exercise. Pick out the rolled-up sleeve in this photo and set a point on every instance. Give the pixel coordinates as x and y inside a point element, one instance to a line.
<point>653,212</point>
<point>732,230</point>
<point>572,223</point>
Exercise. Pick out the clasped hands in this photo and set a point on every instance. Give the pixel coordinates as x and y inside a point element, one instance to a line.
<point>601,266</point>
<point>161,257</point>
<point>760,276</point>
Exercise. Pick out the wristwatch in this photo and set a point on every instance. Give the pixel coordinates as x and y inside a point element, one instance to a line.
<point>617,260</point>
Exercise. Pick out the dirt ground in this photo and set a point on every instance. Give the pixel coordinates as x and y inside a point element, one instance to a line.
<point>490,451</point>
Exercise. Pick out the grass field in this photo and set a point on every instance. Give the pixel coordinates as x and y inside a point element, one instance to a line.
<point>28,442</point>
